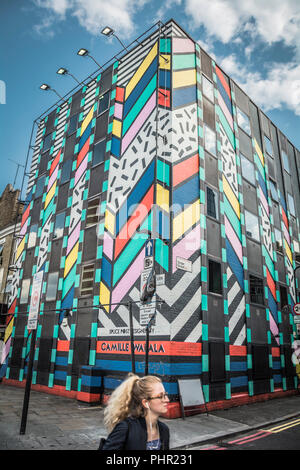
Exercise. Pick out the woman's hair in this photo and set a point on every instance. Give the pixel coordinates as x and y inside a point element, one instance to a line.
<point>126,399</point>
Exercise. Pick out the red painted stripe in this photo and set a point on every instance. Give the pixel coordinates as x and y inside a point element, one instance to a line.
<point>223,81</point>
<point>120,94</point>
<point>83,152</point>
<point>285,220</point>
<point>245,438</point>
<point>271,284</point>
<point>164,97</point>
<point>25,215</point>
<point>255,438</point>
<point>185,169</point>
<point>237,350</point>
<point>276,352</point>
<point>63,345</point>
<point>135,220</point>
<point>159,348</point>
<point>55,162</point>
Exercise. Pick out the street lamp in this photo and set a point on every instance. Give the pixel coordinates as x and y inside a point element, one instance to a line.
<point>85,53</point>
<point>108,31</point>
<point>46,87</point>
<point>63,71</point>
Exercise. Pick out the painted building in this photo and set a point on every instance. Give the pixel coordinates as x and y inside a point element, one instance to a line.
<point>162,143</point>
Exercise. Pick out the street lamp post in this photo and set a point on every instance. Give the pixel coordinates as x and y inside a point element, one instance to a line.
<point>63,71</point>
<point>46,87</point>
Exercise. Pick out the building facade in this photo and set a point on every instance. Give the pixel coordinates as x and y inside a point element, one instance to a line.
<point>161,161</point>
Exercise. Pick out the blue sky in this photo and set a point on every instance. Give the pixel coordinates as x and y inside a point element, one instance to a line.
<point>257,42</point>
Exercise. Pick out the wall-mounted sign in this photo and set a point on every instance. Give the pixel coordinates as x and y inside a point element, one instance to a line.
<point>35,301</point>
<point>148,262</point>
<point>184,264</point>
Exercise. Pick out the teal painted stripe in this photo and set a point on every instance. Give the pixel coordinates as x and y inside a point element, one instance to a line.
<point>184,61</point>
<point>69,281</point>
<point>259,165</point>
<point>162,254</point>
<point>269,262</point>
<point>232,217</point>
<point>48,211</point>
<point>226,126</point>
<point>131,250</point>
<point>139,104</point>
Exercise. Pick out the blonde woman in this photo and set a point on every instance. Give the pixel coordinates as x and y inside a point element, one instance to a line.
<point>132,413</point>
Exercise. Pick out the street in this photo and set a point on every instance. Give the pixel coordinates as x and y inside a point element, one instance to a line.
<point>282,436</point>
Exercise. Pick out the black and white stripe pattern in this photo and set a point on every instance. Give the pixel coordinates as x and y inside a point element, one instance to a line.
<point>35,156</point>
<point>60,128</point>
<point>89,97</point>
<point>236,310</point>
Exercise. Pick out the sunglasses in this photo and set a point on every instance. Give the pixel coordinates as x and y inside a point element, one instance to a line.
<point>162,396</point>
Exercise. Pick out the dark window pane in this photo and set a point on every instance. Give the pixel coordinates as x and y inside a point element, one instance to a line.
<point>47,142</point>
<point>103,103</point>
<point>215,284</point>
<point>72,124</point>
<point>268,145</point>
<point>40,186</point>
<point>59,225</point>
<point>256,290</point>
<point>99,152</point>
<point>66,171</point>
<point>212,203</point>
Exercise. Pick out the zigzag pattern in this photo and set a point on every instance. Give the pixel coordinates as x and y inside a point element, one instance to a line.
<point>75,219</point>
<point>288,252</point>
<point>267,242</point>
<point>233,234</point>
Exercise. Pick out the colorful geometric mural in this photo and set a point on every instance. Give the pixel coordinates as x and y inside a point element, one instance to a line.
<point>145,159</point>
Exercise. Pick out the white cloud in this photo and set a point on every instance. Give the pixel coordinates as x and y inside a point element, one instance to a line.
<point>95,14</point>
<point>278,89</point>
<point>271,20</point>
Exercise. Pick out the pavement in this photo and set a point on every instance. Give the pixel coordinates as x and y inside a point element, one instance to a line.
<point>58,423</point>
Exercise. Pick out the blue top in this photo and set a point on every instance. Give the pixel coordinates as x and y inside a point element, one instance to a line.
<point>153,445</point>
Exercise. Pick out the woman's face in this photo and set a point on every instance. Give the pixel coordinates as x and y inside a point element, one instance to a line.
<point>158,402</point>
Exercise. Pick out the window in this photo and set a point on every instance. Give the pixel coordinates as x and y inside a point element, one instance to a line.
<point>252,227</point>
<point>66,171</point>
<point>212,203</point>
<point>243,121</point>
<point>40,186</point>
<point>273,188</point>
<point>256,290</point>
<point>47,142</point>
<point>248,171</point>
<point>1,258</point>
<point>99,152</point>
<point>87,279</point>
<point>59,225</point>
<point>214,284</point>
<point>278,239</point>
<point>92,214</point>
<point>283,296</point>
<point>32,236</point>
<point>210,140</point>
<point>285,160</point>
<point>51,291</point>
<point>291,205</point>
<point>73,124</point>
<point>103,103</point>
<point>208,88</point>
<point>268,145</point>
<point>25,291</point>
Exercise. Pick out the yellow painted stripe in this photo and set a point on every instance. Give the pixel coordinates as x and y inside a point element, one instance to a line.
<point>162,197</point>
<point>117,128</point>
<point>282,427</point>
<point>259,152</point>
<point>8,330</point>
<point>110,222</point>
<point>87,120</point>
<point>288,252</point>
<point>231,197</point>
<point>104,296</point>
<point>71,259</point>
<point>20,248</point>
<point>163,64</point>
<point>184,78</point>
<point>50,194</point>
<point>186,219</point>
<point>141,70</point>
